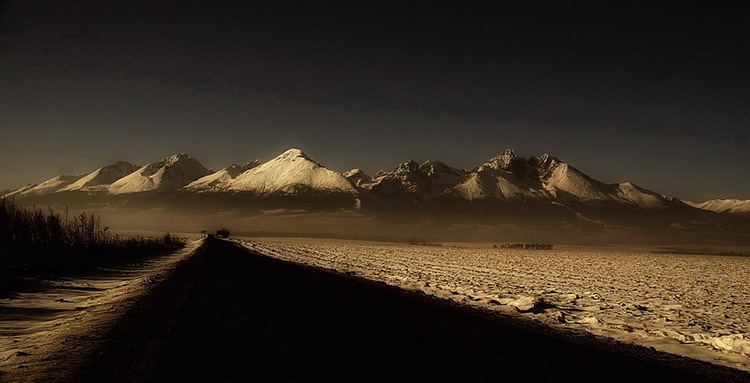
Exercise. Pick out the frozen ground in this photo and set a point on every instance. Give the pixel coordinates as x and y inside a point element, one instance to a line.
<point>45,331</point>
<point>697,306</point>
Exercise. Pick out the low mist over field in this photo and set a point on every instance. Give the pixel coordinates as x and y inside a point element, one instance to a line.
<point>507,198</point>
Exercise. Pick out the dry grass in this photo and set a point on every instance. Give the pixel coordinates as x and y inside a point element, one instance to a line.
<point>36,242</point>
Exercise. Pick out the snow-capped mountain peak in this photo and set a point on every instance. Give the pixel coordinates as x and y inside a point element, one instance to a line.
<point>503,161</point>
<point>168,174</point>
<point>219,180</point>
<point>49,186</point>
<point>410,182</point>
<point>292,172</point>
<point>507,178</point>
<point>100,179</point>
<point>407,167</point>
<point>431,167</point>
<point>291,154</point>
<point>735,206</point>
<point>357,177</point>
<point>354,172</point>
<point>546,160</point>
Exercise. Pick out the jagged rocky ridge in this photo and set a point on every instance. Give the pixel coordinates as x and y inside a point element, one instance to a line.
<point>506,179</point>
<point>511,178</point>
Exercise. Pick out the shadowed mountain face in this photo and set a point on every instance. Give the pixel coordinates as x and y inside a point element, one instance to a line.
<point>506,187</point>
<point>412,184</point>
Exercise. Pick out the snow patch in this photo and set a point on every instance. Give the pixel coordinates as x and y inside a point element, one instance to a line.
<point>219,181</point>
<point>168,174</point>
<point>291,171</point>
<point>735,206</point>
<point>685,304</point>
<point>101,178</point>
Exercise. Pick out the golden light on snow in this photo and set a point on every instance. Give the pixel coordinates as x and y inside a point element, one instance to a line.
<point>691,305</point>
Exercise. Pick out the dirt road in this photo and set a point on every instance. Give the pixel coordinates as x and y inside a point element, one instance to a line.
<point>230,315</point>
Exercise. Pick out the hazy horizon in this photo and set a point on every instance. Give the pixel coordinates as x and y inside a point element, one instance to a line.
<point>371,172</point>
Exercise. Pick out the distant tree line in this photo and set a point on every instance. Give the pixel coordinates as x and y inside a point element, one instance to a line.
<point>701,251</point>
<point>422,242</point>
<point>527,246</point>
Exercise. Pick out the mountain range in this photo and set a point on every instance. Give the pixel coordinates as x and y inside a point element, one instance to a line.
<point>506,180</point>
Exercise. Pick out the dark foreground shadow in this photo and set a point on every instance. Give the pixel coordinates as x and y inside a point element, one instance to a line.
<point>230,315</point>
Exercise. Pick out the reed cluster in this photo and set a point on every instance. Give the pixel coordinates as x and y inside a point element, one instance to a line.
<point>41,232</point>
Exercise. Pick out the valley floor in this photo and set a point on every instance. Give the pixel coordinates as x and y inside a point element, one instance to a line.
<point>692,305</point>
<point>228,313</point>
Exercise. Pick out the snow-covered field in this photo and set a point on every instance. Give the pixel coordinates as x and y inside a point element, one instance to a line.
<point>697,306</point>
<point>70,315</point>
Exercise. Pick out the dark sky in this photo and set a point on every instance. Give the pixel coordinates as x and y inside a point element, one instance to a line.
<point>654,94</point>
